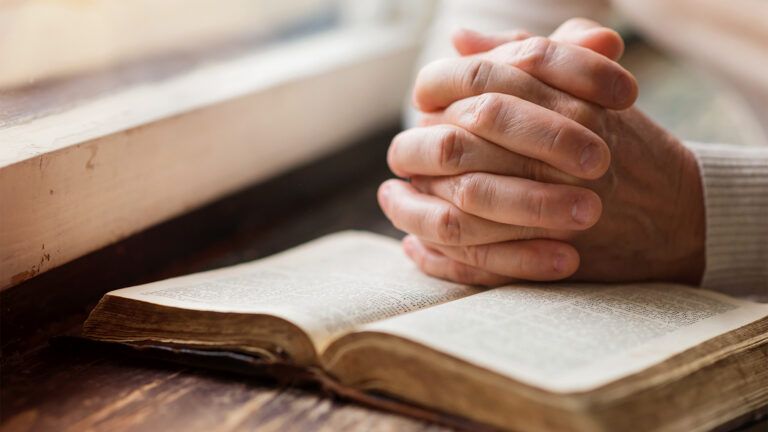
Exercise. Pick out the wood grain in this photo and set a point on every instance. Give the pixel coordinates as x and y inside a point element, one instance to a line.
<point>47,389</point>
<point>77,180</point>
<point>98,33</point>
<point>111,394</point>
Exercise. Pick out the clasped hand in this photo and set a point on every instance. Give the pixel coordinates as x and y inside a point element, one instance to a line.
<point>531,163</point>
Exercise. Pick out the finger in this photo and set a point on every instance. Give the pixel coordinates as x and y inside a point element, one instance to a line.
<point>537,260</point>
<point>444,150</point>
<point>469,42</point>
<point>443,82</point>
<point>578,31</point>
<point>516,201</point>
<point>438,265</point>
<point>591,35</point>
<point>447,80</point>
<point>441,222</point>
<point>573,69</point>
<point>531,130</point>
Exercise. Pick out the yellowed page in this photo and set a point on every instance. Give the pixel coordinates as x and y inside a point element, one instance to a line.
<point>571,338</point>
<point>327,287</point>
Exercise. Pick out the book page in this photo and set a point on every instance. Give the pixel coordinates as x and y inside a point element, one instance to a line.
<point>327,286</point>
<point>569,338</point>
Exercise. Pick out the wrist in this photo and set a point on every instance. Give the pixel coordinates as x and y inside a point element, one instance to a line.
<point>690,232</point>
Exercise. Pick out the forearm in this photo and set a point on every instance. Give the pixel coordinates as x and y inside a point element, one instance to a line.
<point>735,181</point>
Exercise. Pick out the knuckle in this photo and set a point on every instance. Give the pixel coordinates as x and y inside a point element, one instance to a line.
<point>527,263</point>
<point>448,226</point>
<point>467,189</point>
<point>557,135</point>
<point>478,76</point>
<point>450,150</point>
<point>532,169</point>
<point>476,191</point>
<point>485,111</point>
<point>534,201</point>
<point>535,52</point>
<point>527,233</point>
<point>476,255</point>
<point>460,273</point>
<point>581,112</point>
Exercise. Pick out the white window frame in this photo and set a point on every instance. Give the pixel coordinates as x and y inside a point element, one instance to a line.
<point>80,179</point>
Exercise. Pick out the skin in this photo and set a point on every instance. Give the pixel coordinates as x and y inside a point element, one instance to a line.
<point>532,164</point>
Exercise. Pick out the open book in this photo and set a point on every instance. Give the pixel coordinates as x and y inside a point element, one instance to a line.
<point>523,357</point>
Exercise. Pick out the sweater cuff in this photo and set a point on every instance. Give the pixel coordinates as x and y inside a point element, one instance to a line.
<point>735,181</point>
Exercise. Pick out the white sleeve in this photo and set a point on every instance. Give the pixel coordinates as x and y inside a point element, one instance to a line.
<point>735,180</point>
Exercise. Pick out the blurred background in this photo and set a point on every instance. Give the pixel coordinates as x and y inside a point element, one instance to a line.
<point>693,58</point>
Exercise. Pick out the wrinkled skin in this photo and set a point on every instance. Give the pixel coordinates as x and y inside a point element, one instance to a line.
<point>528,165</point>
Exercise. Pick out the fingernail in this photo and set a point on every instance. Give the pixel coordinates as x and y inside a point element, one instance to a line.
<point>581,212</point>
<point>590,158</point>
<point>622,89</point>
<point>560,263</point>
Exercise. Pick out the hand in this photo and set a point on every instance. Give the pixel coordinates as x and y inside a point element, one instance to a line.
<point>512,176</point>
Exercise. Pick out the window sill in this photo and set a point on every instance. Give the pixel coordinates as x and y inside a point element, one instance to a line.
<point>91,174</point>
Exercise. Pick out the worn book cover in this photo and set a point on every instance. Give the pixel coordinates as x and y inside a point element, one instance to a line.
<point>352,313</point>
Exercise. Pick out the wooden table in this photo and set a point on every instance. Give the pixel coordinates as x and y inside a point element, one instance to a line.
<point>50,389</point>
<point>44,388</point>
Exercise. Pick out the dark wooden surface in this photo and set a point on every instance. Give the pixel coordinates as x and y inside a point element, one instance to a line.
<point>43,388</point>
<point>49,389</point>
